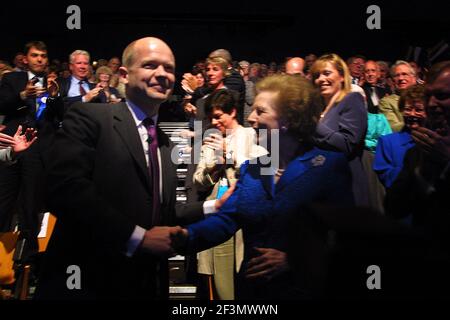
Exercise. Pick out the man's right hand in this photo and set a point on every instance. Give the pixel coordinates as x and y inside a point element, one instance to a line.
<point>92,94</point>
<point>31,91</point>
<point>158,240</point>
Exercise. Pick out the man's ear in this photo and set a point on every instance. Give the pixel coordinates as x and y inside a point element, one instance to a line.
<point>123,73</point>
<point>233,113</point>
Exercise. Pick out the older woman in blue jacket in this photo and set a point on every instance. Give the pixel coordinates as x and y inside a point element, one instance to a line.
<point>271,188</point>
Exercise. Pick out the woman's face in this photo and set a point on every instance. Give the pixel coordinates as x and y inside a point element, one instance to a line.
<point>222,120</point>
<point>103,77</point>
<point>200,79</point>
<point>215,74</point>
<point>329,81</point>
<point>264,116</point>
<point>414,114</point>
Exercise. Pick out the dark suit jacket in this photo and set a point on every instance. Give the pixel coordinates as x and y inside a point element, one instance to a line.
<point>64,87</point>
<point>99,189</point>
<point>381,93</point>
<point>18,112</point>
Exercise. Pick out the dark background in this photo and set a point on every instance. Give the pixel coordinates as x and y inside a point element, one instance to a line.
<point>252,30</point>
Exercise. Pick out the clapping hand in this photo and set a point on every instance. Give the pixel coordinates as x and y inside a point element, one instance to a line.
<point>189,83</point>
<point>19,142</point>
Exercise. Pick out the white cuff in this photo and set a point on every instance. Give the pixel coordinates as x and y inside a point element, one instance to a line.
<point>135,240</point>
<point>209,207</point>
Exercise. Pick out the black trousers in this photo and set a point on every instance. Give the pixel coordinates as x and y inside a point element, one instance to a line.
<point>22,192</point>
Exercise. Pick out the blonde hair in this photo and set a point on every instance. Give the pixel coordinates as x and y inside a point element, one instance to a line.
<point>103,70</point>
<point>340,66</point>
<point>221,62</point>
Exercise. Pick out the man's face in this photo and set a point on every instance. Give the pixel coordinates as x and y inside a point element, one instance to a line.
<point>151,76</point>
<point>36,60</point>
<point>356,67</point>
<point>403,77</point>
<point>383,71</point>
<point>80,66</point>
<point>114,64</point>
<point>19,61</point>
<point>309,60</point>
<point>371,72</point>
<point>438,103</point>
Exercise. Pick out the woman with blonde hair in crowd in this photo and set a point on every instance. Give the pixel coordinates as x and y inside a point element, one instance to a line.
<point>103,77</point>
<point>343,121</point>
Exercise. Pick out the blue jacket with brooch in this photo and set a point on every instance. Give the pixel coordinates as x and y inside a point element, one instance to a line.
<point>261,208</point>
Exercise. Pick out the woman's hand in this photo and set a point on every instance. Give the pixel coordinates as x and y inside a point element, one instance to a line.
<point>217,143</point>
<point>268,265</point>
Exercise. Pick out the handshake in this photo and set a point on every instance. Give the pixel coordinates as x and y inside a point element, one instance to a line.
<point>165,241</point>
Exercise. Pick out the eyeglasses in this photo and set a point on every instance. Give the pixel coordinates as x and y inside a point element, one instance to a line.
<point>403,74</point>
<point>413,109</point>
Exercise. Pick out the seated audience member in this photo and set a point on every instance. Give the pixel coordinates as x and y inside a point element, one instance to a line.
<point>391,148</point>
<point>404,77</point>
<point>77,88</point>
<point>421,188</point>
<point>103,78</point>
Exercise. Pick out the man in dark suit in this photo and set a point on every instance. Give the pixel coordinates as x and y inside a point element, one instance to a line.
<point>77,88</point>
<point>111,182</point>
<point>28,99</point>
<point>373,92</point>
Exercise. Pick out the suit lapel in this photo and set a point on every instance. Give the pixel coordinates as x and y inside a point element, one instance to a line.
<point>126,128</point>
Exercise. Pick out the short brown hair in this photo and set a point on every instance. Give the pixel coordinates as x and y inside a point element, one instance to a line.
<point>413,93</point>
<point>298,103</point>
<point>35,44</point>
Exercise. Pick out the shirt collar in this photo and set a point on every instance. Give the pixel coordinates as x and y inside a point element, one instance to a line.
<point>75,80</point>
<point>138,115</point>
<point>31,75</point>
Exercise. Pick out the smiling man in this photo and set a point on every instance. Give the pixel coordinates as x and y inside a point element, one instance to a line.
<point>111,182</point>
<point>77,87</point>
<point>404,77</point>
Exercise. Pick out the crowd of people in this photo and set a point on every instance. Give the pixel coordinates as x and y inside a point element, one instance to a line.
<point>82,141</point>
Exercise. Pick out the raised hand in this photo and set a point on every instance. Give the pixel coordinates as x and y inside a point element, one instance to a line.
<point>52,85</point>
<point>19,142</point>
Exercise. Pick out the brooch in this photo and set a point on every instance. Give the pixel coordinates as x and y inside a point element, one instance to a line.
<point>318,160</point>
